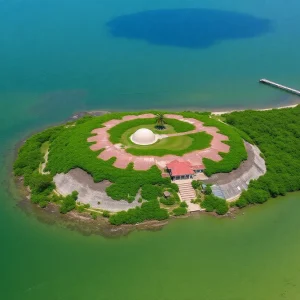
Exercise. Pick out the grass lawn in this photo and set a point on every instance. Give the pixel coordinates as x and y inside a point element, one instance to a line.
<point>125,138</point>
<point>177,145</point>
<point>170,143</point>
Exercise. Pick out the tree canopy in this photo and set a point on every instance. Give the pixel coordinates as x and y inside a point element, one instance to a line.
<point>277,134</point>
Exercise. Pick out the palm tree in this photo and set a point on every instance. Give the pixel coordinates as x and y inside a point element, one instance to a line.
<point>160,121</point>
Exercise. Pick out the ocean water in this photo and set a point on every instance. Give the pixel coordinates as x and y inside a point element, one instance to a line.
<point>62,56</point>
<point>192,28</point>
<point>64,53</point>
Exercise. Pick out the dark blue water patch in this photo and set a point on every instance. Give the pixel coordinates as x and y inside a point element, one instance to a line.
<point>189,28</point>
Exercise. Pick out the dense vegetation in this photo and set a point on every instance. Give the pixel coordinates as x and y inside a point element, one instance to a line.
<point>212,203</point>
<point>30,155</point>
<point>196,184</point>
<point>27,164</point>
<point>69,203</point>
<point>151,192</point>
<point>179,211</point>
<point>148,211</point>
<point>171,200</point>
<point>277,134</point>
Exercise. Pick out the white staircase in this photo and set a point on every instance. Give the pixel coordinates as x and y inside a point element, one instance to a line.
<point>186,190</point>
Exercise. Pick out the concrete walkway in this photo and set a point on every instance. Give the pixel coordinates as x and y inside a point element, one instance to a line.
<point>230,185</point>
<point>187,194</point>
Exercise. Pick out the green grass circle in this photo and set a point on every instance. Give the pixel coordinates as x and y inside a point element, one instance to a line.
<point>176,145</point>
<point>172,126</point>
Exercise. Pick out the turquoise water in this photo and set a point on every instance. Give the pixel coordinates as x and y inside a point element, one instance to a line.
<point>194,28</point>
<point>59,57</point>
<point>61,53</point>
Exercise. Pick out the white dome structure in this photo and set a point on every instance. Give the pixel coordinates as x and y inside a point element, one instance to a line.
<point>143,136</point>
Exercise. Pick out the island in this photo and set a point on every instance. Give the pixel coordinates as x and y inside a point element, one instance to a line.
<point>129,168</point>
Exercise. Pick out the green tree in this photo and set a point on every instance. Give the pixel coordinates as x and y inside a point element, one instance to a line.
<point>241,202</point>
<point>208,190</point>
<point>39,183</point>
<point>160,121</point>
<point>106,214</point>
<point>222,208</point>
<point>212,203</point>
<point>180,211</point>
<point>151,192</point>
<point>150,210</point>
<point>196,184</point>
<point>69,203</point>
<point>276,133</point>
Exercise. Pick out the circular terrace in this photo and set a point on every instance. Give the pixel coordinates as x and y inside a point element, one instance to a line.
<point>124,154</point>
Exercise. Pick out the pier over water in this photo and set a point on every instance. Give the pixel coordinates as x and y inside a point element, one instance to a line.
<point>282,87</point>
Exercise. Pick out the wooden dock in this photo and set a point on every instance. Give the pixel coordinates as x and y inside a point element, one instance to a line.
<point>282,87</point>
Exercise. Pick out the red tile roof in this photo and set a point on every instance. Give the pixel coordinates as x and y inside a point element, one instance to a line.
<point>180,168</point>
<point>198,167</point>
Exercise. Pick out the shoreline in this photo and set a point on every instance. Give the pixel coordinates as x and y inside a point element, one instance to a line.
<point>218,113</point>
<point>101,227</point>
<point>81,222</point>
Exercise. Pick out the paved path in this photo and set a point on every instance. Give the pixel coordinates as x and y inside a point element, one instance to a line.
<point>187,194</point>
<point>101,141</point>
<point>230,185</point>
<point>186,191</point>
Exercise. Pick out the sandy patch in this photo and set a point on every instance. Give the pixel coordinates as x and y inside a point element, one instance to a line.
<point>218,113</point>
<point>44,164</point>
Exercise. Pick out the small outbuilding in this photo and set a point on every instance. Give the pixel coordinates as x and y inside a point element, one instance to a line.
<point>167,194</point>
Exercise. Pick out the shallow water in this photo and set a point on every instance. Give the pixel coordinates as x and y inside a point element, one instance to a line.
<point>252,256</point>
<point>50,69</point>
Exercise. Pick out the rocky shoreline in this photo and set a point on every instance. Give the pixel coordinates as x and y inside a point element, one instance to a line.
<point>93,113</point>
<point>84,224</point>
<point>81,222</point>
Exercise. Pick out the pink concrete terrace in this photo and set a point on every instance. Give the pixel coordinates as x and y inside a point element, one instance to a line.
<point>101,139</point>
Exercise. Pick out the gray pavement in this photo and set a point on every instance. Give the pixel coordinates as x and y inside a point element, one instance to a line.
<point>229,186</point>
<point>89,191</point>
